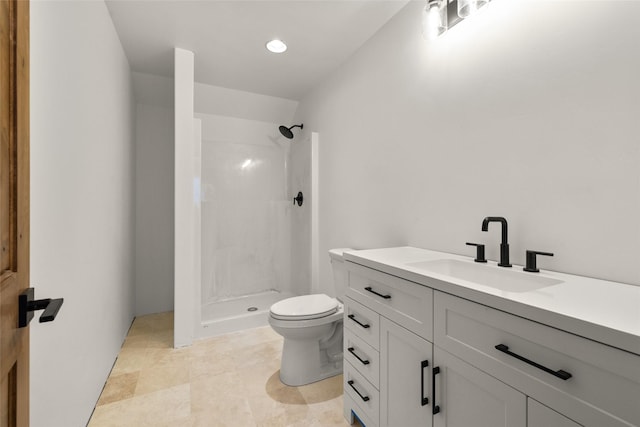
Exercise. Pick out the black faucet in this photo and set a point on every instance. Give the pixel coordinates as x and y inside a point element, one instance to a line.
<point>504,246</point>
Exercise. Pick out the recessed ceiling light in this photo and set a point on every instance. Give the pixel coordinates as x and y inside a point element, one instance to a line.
<point>276,46</point>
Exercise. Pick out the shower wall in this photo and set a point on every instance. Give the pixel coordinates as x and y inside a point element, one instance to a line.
<point>300,180</point>
<point>246,211</point>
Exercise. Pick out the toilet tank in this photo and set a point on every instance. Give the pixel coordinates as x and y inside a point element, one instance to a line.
<point>339,271</point>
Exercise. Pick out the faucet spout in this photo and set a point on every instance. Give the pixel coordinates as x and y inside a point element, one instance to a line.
<point>502,221</point>
<point>504,246</point>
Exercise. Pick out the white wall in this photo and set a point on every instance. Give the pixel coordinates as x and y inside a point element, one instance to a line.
<point>154,209</point>
<point>184,204</point>
<point>300,217</point>
<point>82,126</point>
<point>529,111</point>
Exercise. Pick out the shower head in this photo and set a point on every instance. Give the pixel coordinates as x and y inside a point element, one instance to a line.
<point>286,132</point>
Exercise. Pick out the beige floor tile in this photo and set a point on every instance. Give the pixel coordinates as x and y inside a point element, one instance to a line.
<point>202,365</point>
<point>218,345</point>
<point>322,391</point>
<point>136,342</point>
<point>267,411</point>
<point>162,376</point>
<point>230,380</point>
<point>261,379</point>
<point>212,388</point>
<point>161,339</point>
<point>136,359</point>
<point>119,387</point>
<point>148,410</point>
<point>281,393</point>
<point>220,409</point>
<point>260,353</point>
<point>250,337</point>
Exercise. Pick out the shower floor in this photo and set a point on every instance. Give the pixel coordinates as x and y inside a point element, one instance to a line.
<point>240,313</point>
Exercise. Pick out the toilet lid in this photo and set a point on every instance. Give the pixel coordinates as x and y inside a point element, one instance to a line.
<point>304,307</point>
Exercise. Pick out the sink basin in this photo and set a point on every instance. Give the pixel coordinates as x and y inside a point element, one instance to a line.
<point>486,275</point>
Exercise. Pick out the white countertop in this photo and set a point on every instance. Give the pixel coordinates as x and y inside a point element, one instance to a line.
<point>603,311</point>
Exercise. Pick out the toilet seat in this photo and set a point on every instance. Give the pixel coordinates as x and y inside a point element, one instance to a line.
<point>304,307</point>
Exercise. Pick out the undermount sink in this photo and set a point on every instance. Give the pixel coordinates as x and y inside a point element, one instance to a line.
<point>486,275</point>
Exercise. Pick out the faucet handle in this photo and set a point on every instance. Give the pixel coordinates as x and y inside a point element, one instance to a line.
<point>479,251</point>
<point>531,260</point>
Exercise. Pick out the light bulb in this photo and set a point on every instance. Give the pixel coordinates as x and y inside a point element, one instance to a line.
<point>276,46</point>
<point>434,19</point>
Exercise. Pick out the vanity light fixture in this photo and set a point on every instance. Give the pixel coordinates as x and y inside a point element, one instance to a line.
<point>276,46</point>
<point>467,8</point>
<point>440,15</point>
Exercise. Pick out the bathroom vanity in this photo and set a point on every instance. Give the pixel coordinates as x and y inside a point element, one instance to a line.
<point>434,339</point>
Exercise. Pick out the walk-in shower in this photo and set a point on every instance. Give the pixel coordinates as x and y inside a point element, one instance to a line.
<point>249,242</point>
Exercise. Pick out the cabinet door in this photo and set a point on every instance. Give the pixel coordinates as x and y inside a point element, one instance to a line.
<point>405,366</point>
<point>469,397</point>
<point>539,415</point>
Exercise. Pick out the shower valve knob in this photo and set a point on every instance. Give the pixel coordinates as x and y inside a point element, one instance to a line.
<point>299,198</point>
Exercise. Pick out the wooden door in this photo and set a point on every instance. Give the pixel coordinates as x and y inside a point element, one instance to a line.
<point>14,209</point>
<point>469,397</point>
<point>405,380</point>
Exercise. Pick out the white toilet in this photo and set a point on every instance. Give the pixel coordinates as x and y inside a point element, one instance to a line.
<point>312,329</point>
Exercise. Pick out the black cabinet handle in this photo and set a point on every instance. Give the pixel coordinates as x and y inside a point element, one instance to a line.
<point>364,362</point>
<point>423,400</point>
<point>436,408</point>
<point>368,288</point>
<point>364,325</point>
<point>563,375</point>
<point>365,398</point>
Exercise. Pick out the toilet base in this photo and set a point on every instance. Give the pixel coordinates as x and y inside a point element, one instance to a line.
<point>304,363</point>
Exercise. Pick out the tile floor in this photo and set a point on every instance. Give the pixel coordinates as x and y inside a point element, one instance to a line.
<point>230,380</point>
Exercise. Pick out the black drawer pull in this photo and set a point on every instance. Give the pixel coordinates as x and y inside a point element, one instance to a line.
<point>563,375</point>
<point>423,400</point>
<point>368,288</point>
<point>436,408</point>
<point>365,398</point>
<point>352,317</point>
<point>364,362</point>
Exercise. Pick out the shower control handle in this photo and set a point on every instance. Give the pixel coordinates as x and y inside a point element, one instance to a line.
<point>298,199</point>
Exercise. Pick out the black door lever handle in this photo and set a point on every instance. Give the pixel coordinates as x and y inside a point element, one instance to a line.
<point>27,304</point>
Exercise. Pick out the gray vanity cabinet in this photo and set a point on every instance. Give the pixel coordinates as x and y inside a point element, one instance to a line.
<point>410,348</point>
<point>405,383</point>
<point>539,415</point>
<point>466,396</point>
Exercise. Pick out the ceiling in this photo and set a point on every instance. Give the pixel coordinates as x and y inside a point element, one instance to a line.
<point>228,38</point>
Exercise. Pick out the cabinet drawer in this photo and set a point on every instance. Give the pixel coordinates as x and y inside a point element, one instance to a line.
<point>362,392</point>
<point>363,357</point>
<point>407,303</point>
<point>352,409</point>
<point>532,357</point>
<point>363,322</point>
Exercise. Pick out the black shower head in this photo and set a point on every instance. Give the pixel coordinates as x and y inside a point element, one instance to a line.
<point>286,132</point>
